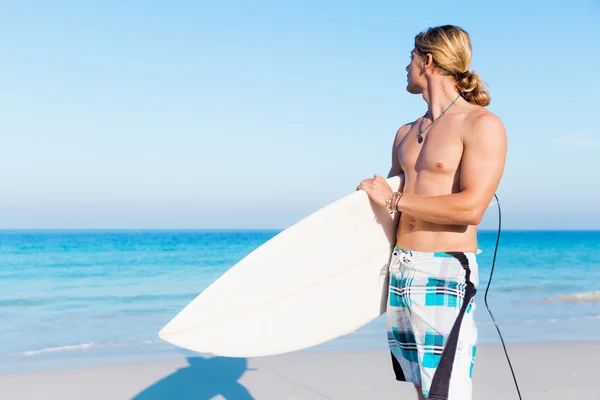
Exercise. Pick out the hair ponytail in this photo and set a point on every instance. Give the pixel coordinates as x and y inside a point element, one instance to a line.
<point>472,88</point>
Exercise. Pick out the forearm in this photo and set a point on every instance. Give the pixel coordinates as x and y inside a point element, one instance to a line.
<point>451,209</point>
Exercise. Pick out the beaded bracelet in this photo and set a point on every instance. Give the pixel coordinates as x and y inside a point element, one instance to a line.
<point>393,200</point>
<point>398,197</point>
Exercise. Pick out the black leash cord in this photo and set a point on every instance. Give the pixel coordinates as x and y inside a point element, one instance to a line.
<point>486,293</point>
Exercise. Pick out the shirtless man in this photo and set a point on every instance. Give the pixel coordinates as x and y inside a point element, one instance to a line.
<point>452,160</point>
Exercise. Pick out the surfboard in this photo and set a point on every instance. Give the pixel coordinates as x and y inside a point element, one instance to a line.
<point>323,277</point>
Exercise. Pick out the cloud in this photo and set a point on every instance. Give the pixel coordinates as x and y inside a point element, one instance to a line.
<point>578,139</point>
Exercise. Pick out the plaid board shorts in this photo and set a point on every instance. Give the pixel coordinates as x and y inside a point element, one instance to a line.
<point>431,331</point>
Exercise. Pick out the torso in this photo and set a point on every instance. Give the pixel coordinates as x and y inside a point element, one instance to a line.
<point>432,168</point>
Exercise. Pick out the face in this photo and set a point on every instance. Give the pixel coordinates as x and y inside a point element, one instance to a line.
<point>415,73</point>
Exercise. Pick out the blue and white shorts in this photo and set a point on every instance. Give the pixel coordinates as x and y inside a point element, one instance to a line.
<point>431,330</point>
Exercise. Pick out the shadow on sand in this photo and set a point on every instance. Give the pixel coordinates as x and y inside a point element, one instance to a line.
<point>203,379</point>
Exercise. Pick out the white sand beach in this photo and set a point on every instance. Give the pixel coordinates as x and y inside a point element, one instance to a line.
<point>548,371</point>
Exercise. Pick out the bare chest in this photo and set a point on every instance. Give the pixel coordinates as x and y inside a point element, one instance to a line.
<point>439,153</point>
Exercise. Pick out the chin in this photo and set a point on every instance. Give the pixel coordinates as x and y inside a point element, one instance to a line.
<point>413,89</point>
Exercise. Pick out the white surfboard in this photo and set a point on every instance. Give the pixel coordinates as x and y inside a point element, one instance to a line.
<point>322,278</point>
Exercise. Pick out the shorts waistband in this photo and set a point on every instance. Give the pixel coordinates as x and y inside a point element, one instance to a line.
<point>424,254</point>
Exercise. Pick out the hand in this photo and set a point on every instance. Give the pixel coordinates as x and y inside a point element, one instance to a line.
<point>377,189</point>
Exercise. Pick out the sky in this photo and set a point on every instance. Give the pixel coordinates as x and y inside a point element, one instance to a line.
<point>254,114</point>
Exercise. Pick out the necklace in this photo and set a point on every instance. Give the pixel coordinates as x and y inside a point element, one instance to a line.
<point>421,130</point>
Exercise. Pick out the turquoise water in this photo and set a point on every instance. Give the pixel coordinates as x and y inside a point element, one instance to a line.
<point>94,295</point>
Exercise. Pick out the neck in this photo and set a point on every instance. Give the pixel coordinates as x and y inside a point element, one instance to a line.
<point>439,94</point>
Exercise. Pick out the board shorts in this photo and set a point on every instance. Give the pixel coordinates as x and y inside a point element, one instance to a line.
<point>431,330</point>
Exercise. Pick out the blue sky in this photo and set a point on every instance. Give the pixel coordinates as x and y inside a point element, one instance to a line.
<point>253,114</point>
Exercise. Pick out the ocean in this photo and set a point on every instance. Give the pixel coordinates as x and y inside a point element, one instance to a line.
<point>70,298</point>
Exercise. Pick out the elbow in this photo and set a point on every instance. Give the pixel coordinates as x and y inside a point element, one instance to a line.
<point>473,217</point>
<point>470,209</point>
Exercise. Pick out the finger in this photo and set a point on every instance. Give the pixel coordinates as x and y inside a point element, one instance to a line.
<point>364,185</point>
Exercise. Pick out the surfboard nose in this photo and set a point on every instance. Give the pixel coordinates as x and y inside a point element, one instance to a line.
<point>163,332</point>
<point>171,333</point>
<point>170,329</point>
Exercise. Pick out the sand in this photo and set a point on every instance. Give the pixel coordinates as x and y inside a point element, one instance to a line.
<point>560,371</point>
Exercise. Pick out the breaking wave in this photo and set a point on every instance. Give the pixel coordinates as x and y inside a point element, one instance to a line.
<point>584,297</point>
<point>82,346</point>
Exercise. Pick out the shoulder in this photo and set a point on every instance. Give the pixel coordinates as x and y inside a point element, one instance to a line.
<point>403,131</point>
<point>483,126</point>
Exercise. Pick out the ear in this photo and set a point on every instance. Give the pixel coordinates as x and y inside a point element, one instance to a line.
<point>428,61</point>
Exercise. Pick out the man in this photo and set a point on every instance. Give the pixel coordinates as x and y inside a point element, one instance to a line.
<point>452,159</point>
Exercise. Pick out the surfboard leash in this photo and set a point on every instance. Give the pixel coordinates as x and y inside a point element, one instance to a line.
<point>486,293</point>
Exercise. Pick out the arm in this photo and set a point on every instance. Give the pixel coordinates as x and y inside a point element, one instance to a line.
<point>482,166</point>
<point>396,169</point>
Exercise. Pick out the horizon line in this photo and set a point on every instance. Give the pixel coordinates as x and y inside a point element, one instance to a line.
<point>266,229</point>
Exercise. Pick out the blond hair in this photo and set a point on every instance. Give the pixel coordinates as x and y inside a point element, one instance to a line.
<point>450,48</point>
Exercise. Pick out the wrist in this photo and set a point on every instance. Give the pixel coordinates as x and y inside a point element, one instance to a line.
<point>391,202</point>
<point>397,202</point>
